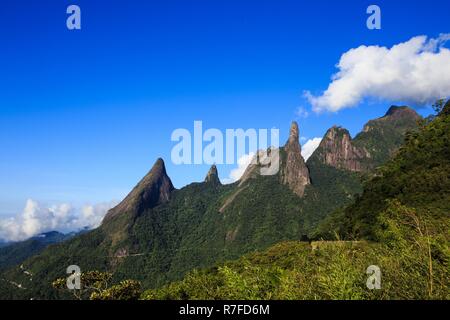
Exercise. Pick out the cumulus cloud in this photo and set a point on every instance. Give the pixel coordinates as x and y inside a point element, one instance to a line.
<point>243,163</point>
<point>309,147</point>
<point>37,218</point>
<point>416,72</point>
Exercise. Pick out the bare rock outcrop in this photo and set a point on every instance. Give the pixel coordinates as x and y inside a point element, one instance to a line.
<point>154,189</point>
<point>294,172</point>
<point>337,150</point>
<point>213,176</point>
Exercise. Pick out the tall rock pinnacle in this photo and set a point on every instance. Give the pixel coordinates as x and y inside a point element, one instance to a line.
<point>294,134</point>
<point>294,171</point>
<point>154,189</point>
<point>213,176</point>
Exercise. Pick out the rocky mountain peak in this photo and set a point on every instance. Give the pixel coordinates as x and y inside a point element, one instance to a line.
<point>339,135</point>
<point>378,141</point>
<point>294,172</point>
<point>338,150</point>
<point>397,112</point>
<point>154,189</point>
<point>213,175</point>
<point>336,131</point>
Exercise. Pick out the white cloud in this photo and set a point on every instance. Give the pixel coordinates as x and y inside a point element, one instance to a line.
<point>416,72</point>
<point>37,218</point>
<point>301,112</point>
<point>237,173</point>
<point>309,147</point>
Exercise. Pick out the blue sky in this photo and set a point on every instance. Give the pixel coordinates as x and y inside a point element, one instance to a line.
<point>84,114</point>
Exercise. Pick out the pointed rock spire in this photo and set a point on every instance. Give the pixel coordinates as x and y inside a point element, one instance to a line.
<point>154,189</point>
<point>294,171</point>
<point>213,175</point>
<point>294,134</point>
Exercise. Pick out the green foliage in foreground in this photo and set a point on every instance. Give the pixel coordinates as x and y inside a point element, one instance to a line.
<point>96,285</point>
<point>413,267</point>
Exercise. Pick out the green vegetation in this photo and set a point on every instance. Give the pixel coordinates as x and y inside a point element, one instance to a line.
<point>439,105</point>
<point>417,178</point>
<point>86,250</point>
<point>382,137</point>
<point>14,253</point>
<point>331,189</point>
<point>96,286</point>
<point>401,215</point>
<point>190,231</point>
<point>403,212</point>
<point>320,270</point>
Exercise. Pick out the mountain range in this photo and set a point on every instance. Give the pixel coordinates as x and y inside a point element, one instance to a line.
<point>13,253</point>
<point>158,233</point>
<point>399,225</point>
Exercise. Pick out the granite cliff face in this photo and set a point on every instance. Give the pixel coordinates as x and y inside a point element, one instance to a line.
<point>154,189</point>
<point>377,143</point>
<point>337,150</point>
<point>294,172</point>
